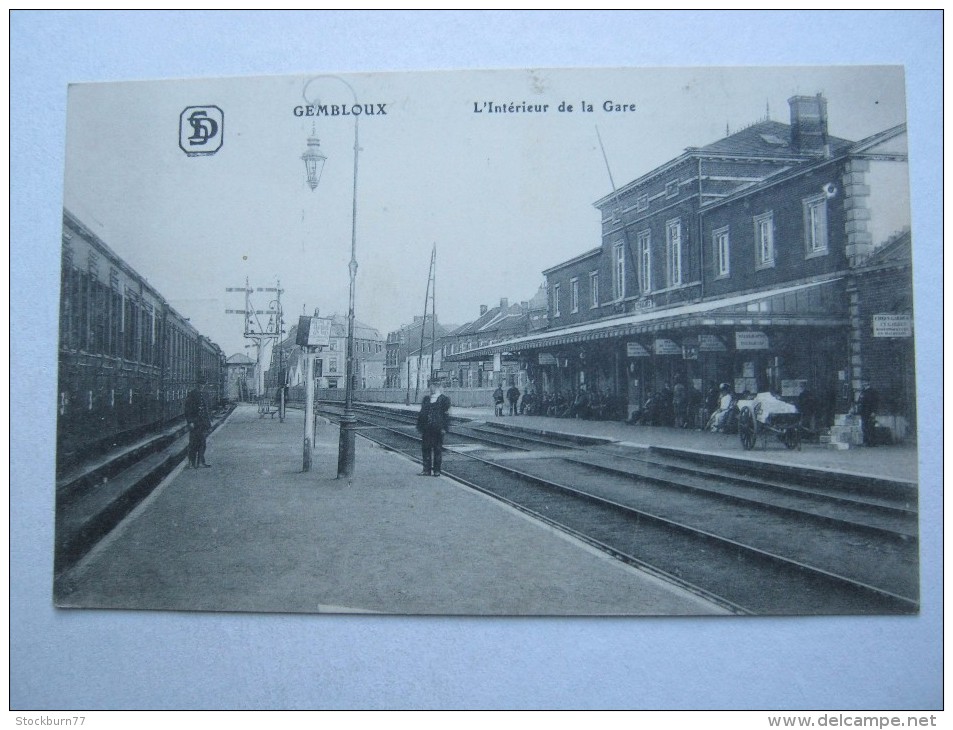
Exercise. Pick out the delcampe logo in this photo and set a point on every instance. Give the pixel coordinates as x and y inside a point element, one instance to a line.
<point>201,130</point>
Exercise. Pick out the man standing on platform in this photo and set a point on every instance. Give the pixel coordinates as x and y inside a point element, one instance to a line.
<point>867,403</point>
<point>513,396</point>
<point>199,419</point>
<point>432,422</point>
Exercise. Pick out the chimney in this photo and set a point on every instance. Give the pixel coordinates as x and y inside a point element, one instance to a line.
<point>809,124</point>
<point>483,309</point>
<point>504,303</point>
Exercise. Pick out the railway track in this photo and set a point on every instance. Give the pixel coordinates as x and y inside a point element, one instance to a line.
<point>93,497</point>
<point>769,542</point>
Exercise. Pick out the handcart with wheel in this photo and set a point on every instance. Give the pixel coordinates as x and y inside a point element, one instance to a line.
<point>765,416</point>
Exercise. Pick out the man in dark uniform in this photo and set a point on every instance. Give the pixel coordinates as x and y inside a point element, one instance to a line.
<point>199,419</point>
<point>867,403</point>
<point>432,422</point>
<point>513,396</point>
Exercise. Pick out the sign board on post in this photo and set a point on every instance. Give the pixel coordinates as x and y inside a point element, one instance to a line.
<point>313,332</point>
<point>710,343</point>
<point>893,325</point>
<point>634,349</point>
<point>666,347</point>
<point>751,341</point>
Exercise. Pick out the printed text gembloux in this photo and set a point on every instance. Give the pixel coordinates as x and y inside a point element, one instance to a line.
<point>341,110</point>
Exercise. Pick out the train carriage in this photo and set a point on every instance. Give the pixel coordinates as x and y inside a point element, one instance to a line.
<point>126,358</point>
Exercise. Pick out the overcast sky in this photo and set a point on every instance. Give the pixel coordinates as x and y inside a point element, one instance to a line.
<point>502,196</point>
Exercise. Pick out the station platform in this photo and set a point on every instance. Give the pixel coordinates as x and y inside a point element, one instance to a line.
<point>255,533</point>
<point>896,462</point>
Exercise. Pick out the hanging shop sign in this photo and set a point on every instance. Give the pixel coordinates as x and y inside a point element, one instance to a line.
<point>751,341</point>
<point>546,358</point>
<point>893,325</point>
<point>667,347</point>
<point>710,343</point>
<point>497,363</point>
<point>634,349</point>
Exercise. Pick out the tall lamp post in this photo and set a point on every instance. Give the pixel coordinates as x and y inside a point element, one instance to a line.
<point>314,163</point>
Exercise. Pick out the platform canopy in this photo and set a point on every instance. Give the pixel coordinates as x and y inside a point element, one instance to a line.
<point>813,304</point>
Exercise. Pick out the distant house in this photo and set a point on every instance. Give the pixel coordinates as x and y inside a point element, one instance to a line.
<point>494,325</point>
<point>240,378</point>
<point>410,338</point>
<point>330,362</point>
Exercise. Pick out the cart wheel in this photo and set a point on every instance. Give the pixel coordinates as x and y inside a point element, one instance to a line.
<point>747,429</point>
<point>792,438</point>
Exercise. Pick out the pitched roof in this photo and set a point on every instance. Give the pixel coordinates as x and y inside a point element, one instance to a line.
<point>766,139</point>
<point>491,321</point>
<point>239,359</point>
<point>763,139</point>
<point>896,250</point>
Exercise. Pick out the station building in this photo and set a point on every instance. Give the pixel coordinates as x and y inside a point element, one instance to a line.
<point>777,257</point>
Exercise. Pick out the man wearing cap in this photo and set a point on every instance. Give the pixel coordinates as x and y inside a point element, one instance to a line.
<point>432,422</point>
<point>200,423</point>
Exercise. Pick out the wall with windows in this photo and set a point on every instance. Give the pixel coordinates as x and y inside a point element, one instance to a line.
<point>574,286</point>
<point>786,232</point>
<point>655,255</point>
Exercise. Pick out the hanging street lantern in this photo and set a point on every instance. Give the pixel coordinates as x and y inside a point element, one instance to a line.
<point>314,161</point>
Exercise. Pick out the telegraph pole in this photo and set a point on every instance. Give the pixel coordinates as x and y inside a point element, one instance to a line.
<point>260,334</point>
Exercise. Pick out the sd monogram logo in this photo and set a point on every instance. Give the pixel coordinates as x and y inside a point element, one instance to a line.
<point>201,130</point>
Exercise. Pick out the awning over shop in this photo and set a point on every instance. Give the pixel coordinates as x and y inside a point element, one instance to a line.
<point>814,304</point>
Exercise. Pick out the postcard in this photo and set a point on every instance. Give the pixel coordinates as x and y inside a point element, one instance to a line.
<point>542,342</point>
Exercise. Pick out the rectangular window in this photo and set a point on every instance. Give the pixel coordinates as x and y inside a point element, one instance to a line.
<point>556,300</point>
<point>764,240</point>
<point>721,252</point>
<point>147,333</point>
<point>671,189</point>
<point>618,270</point>
<point>815,226</point>
<point>642,202</point>
<point>673,238</point>
<point>574,295</point>
<point>593,289</point>
<point>130,325</point>
<point>645,261</point>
